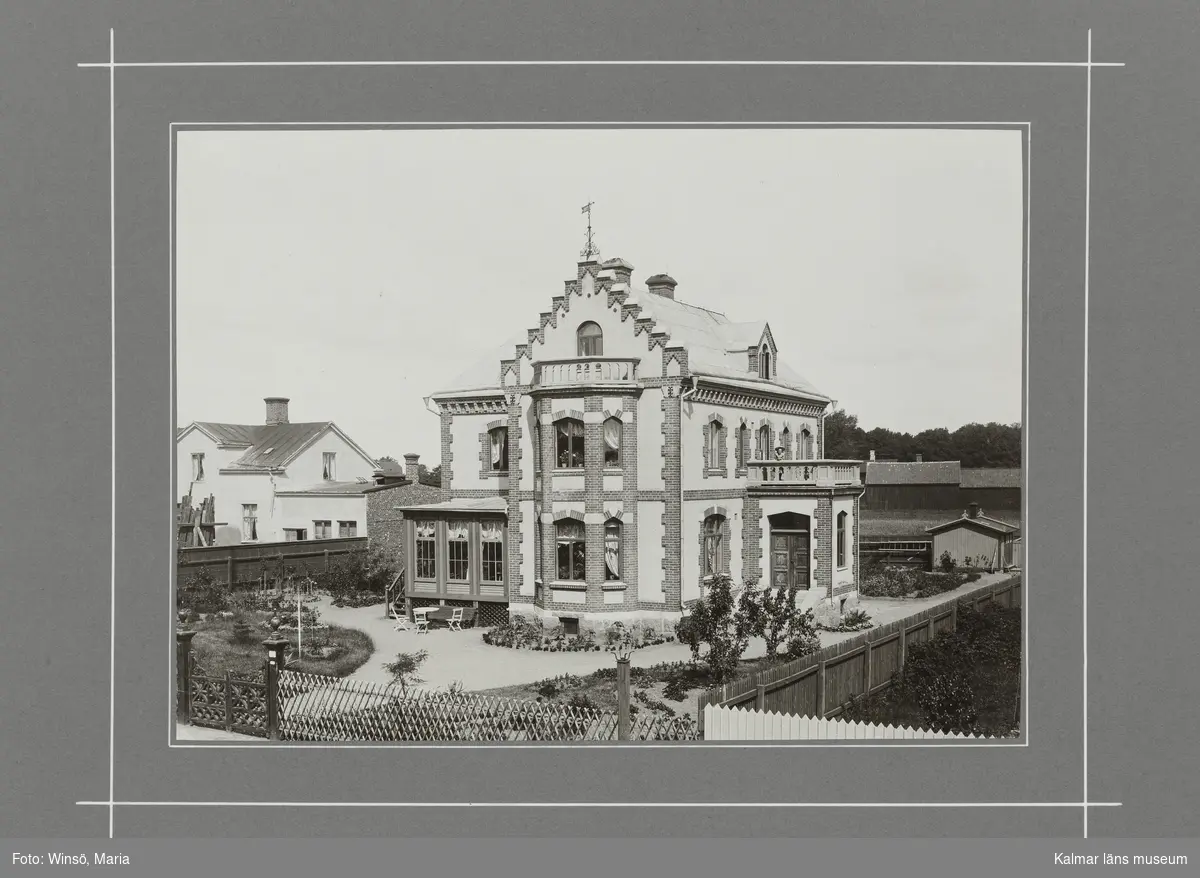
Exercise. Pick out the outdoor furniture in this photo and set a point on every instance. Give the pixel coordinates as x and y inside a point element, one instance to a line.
<point>455,623</point>
<point>446,615</point>
<point>421,619</point>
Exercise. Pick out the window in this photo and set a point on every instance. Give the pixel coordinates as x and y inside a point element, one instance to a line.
<point>249,521</point>
<point>841,539</point>
<point>714,545</point>
<point>570,627</point>
<point>591,340</point>
<point>347,528</point>
<point>197,467</point>
<point>499,441</point>
<point>426,550</point>
<point>764,363</point>
<point>328,466</point>
<point>743,445</point>
<point>763,452</point>
<point>785,439</point>
<point>570,443</point>
<point>537,449</point>
<point>457,551</point>
<point>612,442</point>
<point>714,445</point>
<point>322,530</point>
<point>612,550</point>
<point>805,451</point>
<point>572,550</point>
<point>491,551</point>
<point>293,534</point>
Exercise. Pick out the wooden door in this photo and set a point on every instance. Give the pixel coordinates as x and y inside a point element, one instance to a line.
<point>789,559</point>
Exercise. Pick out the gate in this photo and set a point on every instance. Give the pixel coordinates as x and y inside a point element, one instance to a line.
<point>222,702</point>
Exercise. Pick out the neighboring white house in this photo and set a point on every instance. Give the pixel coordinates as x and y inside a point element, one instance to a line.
<point>277,480</point>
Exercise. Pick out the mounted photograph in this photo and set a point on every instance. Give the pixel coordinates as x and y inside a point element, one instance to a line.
<point>605,434</point>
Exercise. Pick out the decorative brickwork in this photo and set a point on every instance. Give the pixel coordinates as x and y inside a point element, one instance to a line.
<point>672,542</point>
<point>447,454</point>
<point>513,574</point>
<point>629,500</point>
<point>751,539</point>
<point>823,577</point>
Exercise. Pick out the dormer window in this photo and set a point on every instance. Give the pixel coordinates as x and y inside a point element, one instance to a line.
<point>764,363</point>
<point>591,340</point>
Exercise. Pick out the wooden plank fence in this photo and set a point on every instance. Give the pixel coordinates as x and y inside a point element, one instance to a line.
<point>244,562</point>
<point>740,724</point>
<point>824,683</point>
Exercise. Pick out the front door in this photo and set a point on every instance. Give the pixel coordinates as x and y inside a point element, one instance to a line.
<point>789,560</point>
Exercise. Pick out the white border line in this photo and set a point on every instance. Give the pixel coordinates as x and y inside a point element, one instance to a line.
<point>831,743</point>
<point>1087,261</point>
<point>112,253</point>
<point>608,63</point>
<point>714,805</point>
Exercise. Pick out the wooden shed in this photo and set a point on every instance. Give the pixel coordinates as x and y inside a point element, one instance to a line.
<point>992,488</point>
<point>920,485</point>
<point>975,540</point>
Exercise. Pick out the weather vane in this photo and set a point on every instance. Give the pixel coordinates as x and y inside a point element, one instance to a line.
<point>591,249</point>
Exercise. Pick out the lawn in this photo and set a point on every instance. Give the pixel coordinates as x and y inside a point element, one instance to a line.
<point>219,648</point>
<point>911,524</point>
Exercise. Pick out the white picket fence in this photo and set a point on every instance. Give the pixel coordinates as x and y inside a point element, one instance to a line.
<point>738,724</point>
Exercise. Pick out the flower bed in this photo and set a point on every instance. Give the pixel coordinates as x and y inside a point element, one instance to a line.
<point>521,632</point>
<point>357,599</point>
<point>900,582</point>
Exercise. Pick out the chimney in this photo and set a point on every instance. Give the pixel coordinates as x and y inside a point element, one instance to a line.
<point>871,455</point>
<point>622,270</point>
<point>920,458</point>
<point>661,285</point>
<point>973,510</point>
<point>277,410</point>
<point>411,470</point>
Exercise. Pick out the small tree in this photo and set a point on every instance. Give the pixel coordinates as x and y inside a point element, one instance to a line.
<point>405,668</point>
<point>946,562</point>
<point>769,613</point>
<point>712,624</point>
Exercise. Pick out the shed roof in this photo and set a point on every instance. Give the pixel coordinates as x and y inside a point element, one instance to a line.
<point>983,521</point>
<point>941,472</point>
<point>462,504</point>
<point>992,477</point>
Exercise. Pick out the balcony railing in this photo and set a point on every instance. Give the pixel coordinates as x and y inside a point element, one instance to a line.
<point>817,473</point>
<point>585,370</point>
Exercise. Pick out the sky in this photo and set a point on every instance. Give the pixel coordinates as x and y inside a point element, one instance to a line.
<point>356,272</point>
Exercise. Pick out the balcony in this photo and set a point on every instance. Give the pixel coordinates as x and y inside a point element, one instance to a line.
<point>585,370</point>
<point>802,473</point>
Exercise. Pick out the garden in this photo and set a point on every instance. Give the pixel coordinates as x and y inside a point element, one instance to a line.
<point>967,680</point>
<point>884,581</point>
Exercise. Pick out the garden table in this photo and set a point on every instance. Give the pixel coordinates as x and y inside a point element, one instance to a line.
<point>442,615</point>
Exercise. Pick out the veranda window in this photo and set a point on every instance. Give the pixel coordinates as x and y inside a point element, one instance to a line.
<point>491,556</point>
<point>612,442</point>
<point>612,550</point>
<point>572,551</point>
<point>426,550</point>
<point>457,551</point>
<point>570,443</point>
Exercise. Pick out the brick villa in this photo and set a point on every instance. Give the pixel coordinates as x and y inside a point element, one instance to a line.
<point>612,458</point>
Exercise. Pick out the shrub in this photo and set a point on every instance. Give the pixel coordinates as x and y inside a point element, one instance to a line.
<point>360,570</point>
<point>946,562</point>
<point>405,668</point>
<point>769,613</point>
<point>712,624</point>
<point>581,701</point>
<point>856,620</point>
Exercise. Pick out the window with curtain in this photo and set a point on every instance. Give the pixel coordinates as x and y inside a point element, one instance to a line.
<point>197,467</point>
<point>763,452</point>
<point>612,550</point>
<point>322,530</point>
<point>612,442</point>
<point>499,441</point>
<point>806,445</point>
<point>426,550</point>
<point>572,550</point>
<point>714,549</point>
<point>591,340</point>
<point>743,445</point>
<point>841,539</point>
<point>764,363</point>
<point>457,551</point>
<point>569,433</point>
<point>491,551</point>
<point>329,466</point>
<point>249,521</point>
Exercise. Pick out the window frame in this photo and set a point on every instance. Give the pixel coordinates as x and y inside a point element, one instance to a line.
<point>329,466</point>
<point>842,555</point>
<point>584,338</point>
<point>428,545</point>
<point>714,462</point>
<point>342,528</point>
<point>322,525</point>
<point>570,542</point>
<point>763,442</point>
<point>250,517</point>
<point>712,530</point>
<point>764,363</point>
<point>462,546</point>
<point>615,464</point>
<point>301,534</point>
<point>573,440</point>
<point>501,465</point>
<point>610,526</point>
<point>497,563</point>
<point>197,466</point>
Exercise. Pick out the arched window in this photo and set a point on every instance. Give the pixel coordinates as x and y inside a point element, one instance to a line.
<point>743,445</point>
<point>499,443</point>
<point>764,363</point>
<point>805,451</point>
<point>612,442</point>
<point>715,429</point>
<point>569,437</point>
<point>763,452</point>
<point>714,545</point>
<point>591,340</point>
<point>572,550</point>
<point>612,550</point>
<point>841,539</point>
<point>785,439</point>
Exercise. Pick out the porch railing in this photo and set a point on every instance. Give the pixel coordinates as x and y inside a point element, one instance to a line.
<point>817,473</point>
<point>585,370</point>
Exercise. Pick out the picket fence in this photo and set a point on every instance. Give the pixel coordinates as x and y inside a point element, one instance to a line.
<point>739,724</point>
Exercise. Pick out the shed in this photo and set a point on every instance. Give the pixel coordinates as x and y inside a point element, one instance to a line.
<point>992,488</point>
<point>919,485</point>
<point>976,540</point>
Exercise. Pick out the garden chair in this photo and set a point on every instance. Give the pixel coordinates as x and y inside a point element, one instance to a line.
<point>456,617</point>
<point>421,620</point>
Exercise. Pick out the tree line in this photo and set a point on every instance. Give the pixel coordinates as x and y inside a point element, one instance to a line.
<point>973,445</point>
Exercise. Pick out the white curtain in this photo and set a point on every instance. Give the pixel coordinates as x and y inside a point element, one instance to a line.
<point>497,448</point>
<point>425,530</point>
<point>456,530</point>
<point>490,532</point>
<point>612,439</point>
<point>612,549</point>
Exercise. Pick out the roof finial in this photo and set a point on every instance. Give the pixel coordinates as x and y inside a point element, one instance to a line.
<point>591,250</point>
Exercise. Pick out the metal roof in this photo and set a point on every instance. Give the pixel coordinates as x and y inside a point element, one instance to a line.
<point>991,478</point>
<point>941,472</point>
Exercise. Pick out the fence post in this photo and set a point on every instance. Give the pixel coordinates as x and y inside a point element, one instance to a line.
<point>821,690</point>
<point>229,568</point>
<point>623,653</point>
<point>228,701</point>
<point>954,616</point>
<point>183,675</point>
<point>760,697</point>
<point>867,670</point>
<point>271,669</point>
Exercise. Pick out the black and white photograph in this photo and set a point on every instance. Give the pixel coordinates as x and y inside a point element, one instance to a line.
<point>600,434</point>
